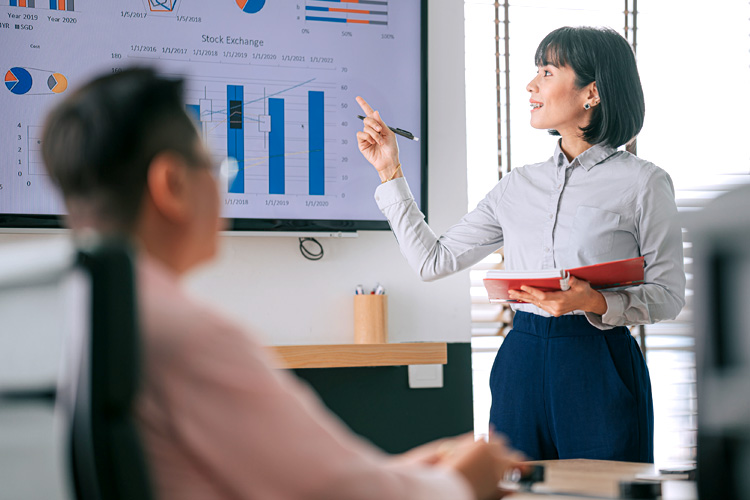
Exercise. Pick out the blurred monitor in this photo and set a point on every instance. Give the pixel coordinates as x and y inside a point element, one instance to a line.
<point>721,254</point>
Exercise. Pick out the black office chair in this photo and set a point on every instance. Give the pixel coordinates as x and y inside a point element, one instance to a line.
<point>721,263</point>
<point>99,379</point>
<point>107,458</point>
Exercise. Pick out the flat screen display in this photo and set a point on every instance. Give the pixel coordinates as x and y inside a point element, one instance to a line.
<point>270,84</point>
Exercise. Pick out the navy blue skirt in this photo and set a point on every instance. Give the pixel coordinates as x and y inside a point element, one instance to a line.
<point>562,388</point>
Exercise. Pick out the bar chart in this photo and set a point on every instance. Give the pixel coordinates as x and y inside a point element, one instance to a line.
<point>194,111</point>
<point>276,136</point>
<point>235,137</point>
<point>66,5</point>
<point>61,5</point>
<point>276,160</point>
<point>317,143</point>
<point>374,12</point>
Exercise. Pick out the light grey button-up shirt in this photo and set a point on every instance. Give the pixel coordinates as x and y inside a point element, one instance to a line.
<point>604,205</point>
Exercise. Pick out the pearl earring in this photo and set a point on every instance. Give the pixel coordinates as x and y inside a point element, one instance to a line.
<point>587,106</point>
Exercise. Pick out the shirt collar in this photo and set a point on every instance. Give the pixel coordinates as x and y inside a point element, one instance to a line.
<point>592,156</point>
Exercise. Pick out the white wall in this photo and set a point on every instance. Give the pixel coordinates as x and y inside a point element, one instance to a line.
<point>265,283</point>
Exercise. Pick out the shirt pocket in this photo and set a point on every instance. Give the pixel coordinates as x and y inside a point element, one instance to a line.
<point>593,231</point>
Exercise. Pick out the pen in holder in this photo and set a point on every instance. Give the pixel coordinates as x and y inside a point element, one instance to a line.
<point>371,319</point>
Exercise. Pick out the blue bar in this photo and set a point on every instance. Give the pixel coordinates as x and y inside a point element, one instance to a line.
<point>329,19</point>
<point>194,112</point>
<point>14,3</point>
<point>236,136</point>
<point>276,163</point>
<point>53,4</point>
<point>320,9</point>
<point>316,142</point>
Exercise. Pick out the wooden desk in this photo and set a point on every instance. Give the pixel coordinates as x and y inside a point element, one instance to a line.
<point>600,479</point>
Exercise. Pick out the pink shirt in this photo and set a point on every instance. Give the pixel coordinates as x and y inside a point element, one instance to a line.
<point>219,422</point>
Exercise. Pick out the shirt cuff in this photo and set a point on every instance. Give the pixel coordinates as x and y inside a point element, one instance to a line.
<point>612,317</point>
<point>392,192</point>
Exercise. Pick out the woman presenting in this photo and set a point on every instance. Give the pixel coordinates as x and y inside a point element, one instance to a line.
<point>569,381</point>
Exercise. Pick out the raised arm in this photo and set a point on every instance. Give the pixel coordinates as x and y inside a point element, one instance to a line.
<point>378,144</point>
<point>475,236</point>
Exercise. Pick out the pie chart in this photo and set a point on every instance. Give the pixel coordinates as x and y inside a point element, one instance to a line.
<point>57,83</point>
<point>18,80</point>
<point>250,6</point>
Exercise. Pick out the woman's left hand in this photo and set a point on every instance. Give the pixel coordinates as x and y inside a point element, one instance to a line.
<point>580,297</point>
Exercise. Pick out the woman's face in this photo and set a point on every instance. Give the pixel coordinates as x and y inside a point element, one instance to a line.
<point>205,222</point>
<point>556,103</point>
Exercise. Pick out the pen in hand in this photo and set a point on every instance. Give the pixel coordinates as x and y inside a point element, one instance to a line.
<point>397,131</point>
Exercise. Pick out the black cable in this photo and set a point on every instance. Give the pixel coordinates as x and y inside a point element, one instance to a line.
<point>306,253</point>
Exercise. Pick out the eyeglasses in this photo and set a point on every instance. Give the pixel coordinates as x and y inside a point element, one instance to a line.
<point>227,168</point>
<point>223,168</point>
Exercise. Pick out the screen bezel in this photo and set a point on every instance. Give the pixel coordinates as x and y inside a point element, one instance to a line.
<point>42,221</point>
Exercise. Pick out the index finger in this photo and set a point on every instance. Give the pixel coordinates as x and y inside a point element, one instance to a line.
<point>535,292</point>
<point>365,107</point>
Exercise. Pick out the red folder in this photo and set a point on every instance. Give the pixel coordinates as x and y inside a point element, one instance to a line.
<point>614,274</point>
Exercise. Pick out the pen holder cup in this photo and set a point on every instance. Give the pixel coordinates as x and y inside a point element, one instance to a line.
<point>370,319</point>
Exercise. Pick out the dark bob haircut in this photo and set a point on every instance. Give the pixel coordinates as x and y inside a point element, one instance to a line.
<point>98,144</point>
<point>600,55</point>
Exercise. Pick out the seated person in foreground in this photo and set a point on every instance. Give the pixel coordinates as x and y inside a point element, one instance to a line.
<point>218,421</point>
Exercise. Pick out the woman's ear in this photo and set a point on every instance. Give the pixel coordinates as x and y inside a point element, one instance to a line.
<point>167,185</point>
<point>593,93</point>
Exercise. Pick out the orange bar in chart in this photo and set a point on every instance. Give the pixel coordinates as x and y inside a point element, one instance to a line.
<point>353,11</point>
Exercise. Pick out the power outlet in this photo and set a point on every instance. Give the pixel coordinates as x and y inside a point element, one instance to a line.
<point>425,376</point>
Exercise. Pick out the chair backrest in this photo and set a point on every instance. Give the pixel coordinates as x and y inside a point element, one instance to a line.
<point>721,264</point>
<point>77,306</point>
<point>108,462</point>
